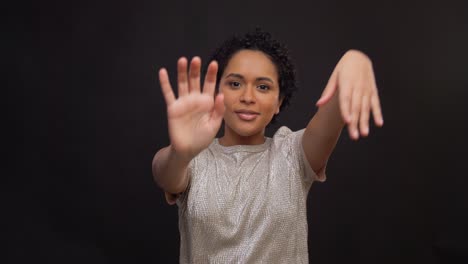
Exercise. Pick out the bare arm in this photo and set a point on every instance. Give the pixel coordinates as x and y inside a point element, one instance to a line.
<point>349,97</point>
<point>170,170</point>
<point>322,133</point>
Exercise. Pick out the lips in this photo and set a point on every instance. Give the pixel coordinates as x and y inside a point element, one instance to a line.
<point>247,115</point>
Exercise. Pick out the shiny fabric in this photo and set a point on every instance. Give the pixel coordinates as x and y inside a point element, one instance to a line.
<point>247,203</point>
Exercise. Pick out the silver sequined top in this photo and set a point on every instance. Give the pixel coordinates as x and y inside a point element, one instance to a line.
<point>247,203</point>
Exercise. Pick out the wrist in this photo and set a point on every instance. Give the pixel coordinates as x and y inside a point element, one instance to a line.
<point>332,111</point>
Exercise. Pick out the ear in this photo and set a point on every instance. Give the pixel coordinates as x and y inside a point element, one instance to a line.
<point>280,101</point>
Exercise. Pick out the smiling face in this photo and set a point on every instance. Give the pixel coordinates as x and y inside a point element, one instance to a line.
<point>251,97</point>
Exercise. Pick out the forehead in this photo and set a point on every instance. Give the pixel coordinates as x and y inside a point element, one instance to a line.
<point>251,63</point>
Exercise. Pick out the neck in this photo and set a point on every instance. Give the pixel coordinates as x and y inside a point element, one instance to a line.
<point>231,138</point>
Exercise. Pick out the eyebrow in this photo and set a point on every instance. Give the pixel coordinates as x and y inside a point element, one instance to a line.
<point>242,77</point>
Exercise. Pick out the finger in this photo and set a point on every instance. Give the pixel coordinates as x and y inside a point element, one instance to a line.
<point>166,86</point>
<point>376,110</point>
<point>218,111</point>
<point>345,102</point>
<point>329,90</point>
<point>355,112</point>
<point>209,85</point>
<point>364,116</point>
<point>194,75</point>
<point>182,76</point>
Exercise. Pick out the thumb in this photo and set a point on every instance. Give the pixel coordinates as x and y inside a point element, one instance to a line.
<point>218,110</point>
<point>329,90</point>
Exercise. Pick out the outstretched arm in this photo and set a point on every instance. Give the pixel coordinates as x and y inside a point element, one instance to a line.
<point>194,119</point>
<point>348,99</point>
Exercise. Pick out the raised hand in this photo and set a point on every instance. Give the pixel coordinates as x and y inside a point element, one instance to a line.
<point>353,79</point>
<point>195,116</point>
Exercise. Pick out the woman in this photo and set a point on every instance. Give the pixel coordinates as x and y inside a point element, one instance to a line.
<point>242,197</point>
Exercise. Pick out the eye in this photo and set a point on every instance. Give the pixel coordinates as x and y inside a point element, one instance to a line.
<point>234,84</point>
<point>263,87</point>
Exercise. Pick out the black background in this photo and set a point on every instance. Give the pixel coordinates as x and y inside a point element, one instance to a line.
<point>85,116</point>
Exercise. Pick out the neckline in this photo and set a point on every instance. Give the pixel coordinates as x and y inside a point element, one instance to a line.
<point>244,148</point>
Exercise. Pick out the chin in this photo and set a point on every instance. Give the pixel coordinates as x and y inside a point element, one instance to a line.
<point>247,133</point>
<point>246,130</point>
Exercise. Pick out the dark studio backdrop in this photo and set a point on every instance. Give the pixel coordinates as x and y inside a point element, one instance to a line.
<point>85,116</point>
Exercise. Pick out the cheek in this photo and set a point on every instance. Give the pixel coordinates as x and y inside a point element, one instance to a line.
<point>273,105</point>
<point>228,99</point>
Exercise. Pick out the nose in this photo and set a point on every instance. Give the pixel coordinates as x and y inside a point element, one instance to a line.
<point>248,95</point>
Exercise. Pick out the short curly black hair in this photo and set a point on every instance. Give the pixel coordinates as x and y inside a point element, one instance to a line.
<point>260,40</point>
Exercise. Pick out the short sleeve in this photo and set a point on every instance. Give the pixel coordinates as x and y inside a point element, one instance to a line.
<point>179,198</point>
<point>292,142</point>
<point>309,172</point>
<point>197,167</point>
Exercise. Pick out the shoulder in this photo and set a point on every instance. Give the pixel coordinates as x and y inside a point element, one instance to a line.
<point>288,144</point>
<point>285,132</point>
<point>285,136</point>
<point>282,132</point>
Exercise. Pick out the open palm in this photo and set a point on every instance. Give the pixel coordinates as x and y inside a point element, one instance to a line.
<point>195,116</point>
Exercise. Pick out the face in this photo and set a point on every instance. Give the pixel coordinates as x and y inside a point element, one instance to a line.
<point>251,94</point>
